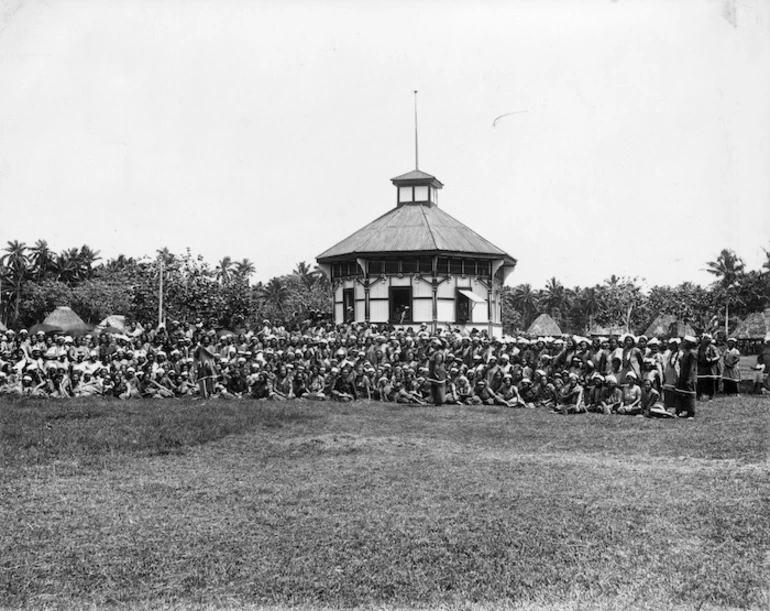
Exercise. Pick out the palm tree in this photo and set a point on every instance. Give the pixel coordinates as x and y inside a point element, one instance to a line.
<point>524,299</point>
<point>119,263</point>
<point>86,260</point>
<point>307,275</point>
<point>65,266</point>
<point>554,296</point>
<point>244,269</point>
<point>224,269</point>
<point>16,263</point>
<point>274,293</point>
<point>728,268</point>
<point>41,257</point>
<point>589,300</point>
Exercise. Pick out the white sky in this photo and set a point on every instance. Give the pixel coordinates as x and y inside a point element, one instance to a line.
<point>270,130</point>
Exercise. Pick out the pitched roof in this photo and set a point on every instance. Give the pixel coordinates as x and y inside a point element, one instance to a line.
<point>544,325</point>
<point>416,175</point>
<point>414,228</point>
<point>753,327</point>
<point>667,325</point>
<point>65,319</point>
<point>608,331</point>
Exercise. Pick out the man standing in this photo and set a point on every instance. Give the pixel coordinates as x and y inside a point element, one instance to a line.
<point>708,368</point>
<point>731,375</point>
<point>688,377</point>
<point>437,374</point>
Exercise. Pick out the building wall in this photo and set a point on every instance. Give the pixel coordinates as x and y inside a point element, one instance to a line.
<point>422,304</point>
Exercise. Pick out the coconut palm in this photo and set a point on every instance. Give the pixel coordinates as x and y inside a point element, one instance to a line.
<point>554,297</point>
<point>15,262</point>
<point>274,293</point>
<point>306,274</point>
<point>41,257</point>
<point>524,299</point>
<point>86,259</point>
<point>728,268</point>
<point>244,269</point>
<point>224,270</point>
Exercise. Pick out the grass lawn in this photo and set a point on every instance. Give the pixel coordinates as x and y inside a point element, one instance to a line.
<point>190,504</point>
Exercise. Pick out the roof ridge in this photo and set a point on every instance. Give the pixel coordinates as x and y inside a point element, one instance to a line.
<point>430,229</point>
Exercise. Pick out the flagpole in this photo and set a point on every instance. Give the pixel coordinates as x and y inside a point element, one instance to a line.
<point>160,294</point>
<point>416,158</point>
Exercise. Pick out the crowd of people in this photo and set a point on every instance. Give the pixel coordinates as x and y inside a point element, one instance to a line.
<point>624,375</point>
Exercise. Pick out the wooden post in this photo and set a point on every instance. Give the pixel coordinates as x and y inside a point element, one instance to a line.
<point>160,293</point>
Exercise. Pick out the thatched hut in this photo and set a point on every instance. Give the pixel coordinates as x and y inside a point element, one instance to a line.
<point>668,325</point>
<point>114,321</point>
<point>543,325</point>
<point>751,333</point>
<point>609,331</point>
<point>64,318</point>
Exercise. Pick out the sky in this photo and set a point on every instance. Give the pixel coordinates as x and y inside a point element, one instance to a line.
<point>271,130</point>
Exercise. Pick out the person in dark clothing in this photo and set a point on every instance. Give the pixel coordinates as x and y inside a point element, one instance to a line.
<point>438,376</point>
<point>688,378</point>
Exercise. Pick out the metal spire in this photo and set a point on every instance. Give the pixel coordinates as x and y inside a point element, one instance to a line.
<point>416,157</point>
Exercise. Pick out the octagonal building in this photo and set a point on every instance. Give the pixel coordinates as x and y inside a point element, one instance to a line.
<point>417,264</point>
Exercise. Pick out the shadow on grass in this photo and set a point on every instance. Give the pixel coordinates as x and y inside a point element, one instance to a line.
<point>38,432</point>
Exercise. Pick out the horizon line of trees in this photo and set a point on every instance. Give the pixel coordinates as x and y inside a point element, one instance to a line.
<point>621,302</point>
<point>34,280</point>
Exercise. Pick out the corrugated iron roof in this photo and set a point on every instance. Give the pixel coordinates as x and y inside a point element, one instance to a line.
<point>414,175</point>
<point>414,228</point>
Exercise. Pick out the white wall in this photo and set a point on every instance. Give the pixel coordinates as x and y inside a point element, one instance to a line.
<point>378,311</point>
<point>422,310</point>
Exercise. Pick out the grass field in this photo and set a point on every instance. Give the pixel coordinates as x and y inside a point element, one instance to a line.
<point>185,504</point>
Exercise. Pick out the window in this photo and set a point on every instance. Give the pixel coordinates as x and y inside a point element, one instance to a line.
<point>463,312</point>
<point>484,268</point>
<point>348,305</point>
<point>400,305</point>
<point>391,266</point>
<point>409,266</point>
<point>376,268</point>
<point>442,266</point>
<point>421,194</point>
<point>426,265</point>
<point>456,266</point>
<point>405,194</point>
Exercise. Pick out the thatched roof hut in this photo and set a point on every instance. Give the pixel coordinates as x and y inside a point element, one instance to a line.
<point>668,325</point>
<point>115,321</point>
<point>600,331</point>
<point>754,326</point>
<point>64,318</point>
<point>544,325</point>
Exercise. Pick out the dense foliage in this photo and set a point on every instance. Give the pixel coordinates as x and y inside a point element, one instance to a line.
<point>35,280</point>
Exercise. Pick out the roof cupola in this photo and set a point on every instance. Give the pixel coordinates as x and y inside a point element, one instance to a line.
<point>417,187</point>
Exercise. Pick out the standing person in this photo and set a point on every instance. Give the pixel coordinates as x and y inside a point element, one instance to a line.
<point>688,379</point>
<point>205,367</point>
<point>708,368</point>
<point>731,375</point>
<point>671,358</point>
<point>437,375</point>
<point>631,360</point>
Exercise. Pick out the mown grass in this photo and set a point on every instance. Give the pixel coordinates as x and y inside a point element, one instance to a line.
<point>230,504</point>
